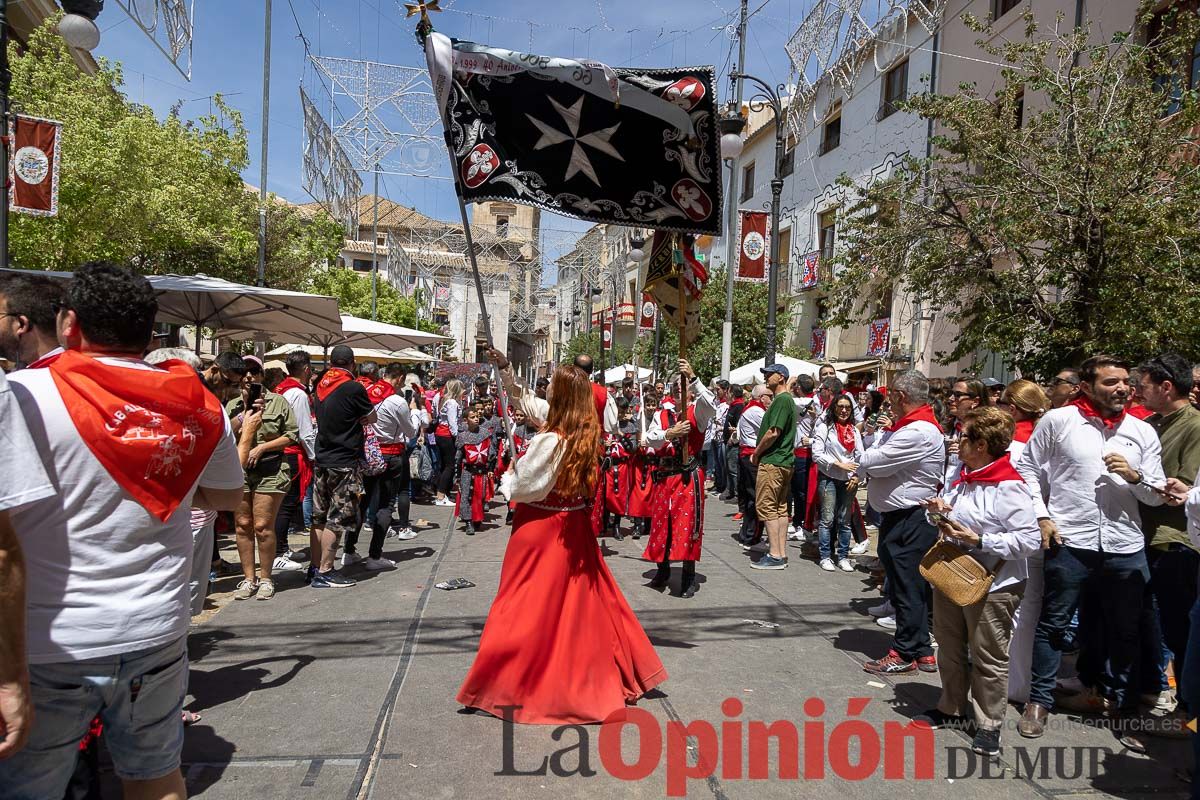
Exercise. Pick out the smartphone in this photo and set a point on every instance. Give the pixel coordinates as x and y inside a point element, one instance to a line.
<point>408,395</point>
<point>937,517</point>
<point>254,393</point>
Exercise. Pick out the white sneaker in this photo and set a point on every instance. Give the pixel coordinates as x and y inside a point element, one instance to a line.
<point>860,548</point>
<point>285,564</point>
<point>791,529</point>
<point>1159,702</point>
<point>404,534</point>
<point>827,564</point>
<point>845,566</point>
<point>445,502</point>
<point>888,622</point>
<point>795,535</point>
<point>884,609</point>
<point>350,558</point>
<point>871,529</point>
<point>374,564</point>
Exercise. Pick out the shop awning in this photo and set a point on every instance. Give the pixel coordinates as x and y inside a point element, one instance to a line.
<point>863,365</point>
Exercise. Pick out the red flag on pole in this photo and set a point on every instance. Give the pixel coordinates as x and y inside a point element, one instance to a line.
<point>818,343</point>
<point>33,168</point>
<point>606,330</point>
<point>752,246</point>
<point>648,314</point>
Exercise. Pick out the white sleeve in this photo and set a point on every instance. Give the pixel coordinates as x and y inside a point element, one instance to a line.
<point>1021,535</point>
<point>298,400</point>
<point>23,479</point>
<point>224,469</point>
<point>1152,473</point>
<point>535,473</point>
<point>820,440</point>
<point>521,397</point>
<point>706,404</point>
<point>1193,512</point>
<point>1033,463</point>
<point>655,436</point>
<point>903,448</point>
<point>612,419</point>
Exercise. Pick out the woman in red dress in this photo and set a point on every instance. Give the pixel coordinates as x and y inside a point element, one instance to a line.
<point>561,643</point>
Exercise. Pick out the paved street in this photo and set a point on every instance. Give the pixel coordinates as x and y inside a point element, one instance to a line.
<point>351,693</point>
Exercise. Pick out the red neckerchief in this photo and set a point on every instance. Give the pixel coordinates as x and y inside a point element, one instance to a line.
<point>380,391</point>
<point>755,403</point>
<point>47,359</point>
<point>996,472</point>
<point>1024,431</point>
<point>289,383</point>
<point>152,430</point>
<point>1140,411</point>
<point>1085,406</point>
<point>845,434</point>
<point>920,414</point>
<point>333,378</point>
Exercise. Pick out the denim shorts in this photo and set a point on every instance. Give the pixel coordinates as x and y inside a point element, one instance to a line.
<point>138,696</point>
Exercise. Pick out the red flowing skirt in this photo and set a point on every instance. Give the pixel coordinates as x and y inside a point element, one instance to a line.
<point>560,640</point>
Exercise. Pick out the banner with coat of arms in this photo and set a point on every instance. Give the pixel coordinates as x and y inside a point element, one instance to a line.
<point>879,336</point>
<point>636,147</point>
<point>606,330</point>
<point>33,167</point>
<point>647,314</point>
<point>753,227</point>
<point>808,269</point>
<point>818,343</point>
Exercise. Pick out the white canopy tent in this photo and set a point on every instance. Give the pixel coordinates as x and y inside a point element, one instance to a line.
<point>618,373</point>
<point>752,373</point>
<point>360,354</point>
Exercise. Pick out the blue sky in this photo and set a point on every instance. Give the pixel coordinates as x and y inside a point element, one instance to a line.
<point>228,44</point>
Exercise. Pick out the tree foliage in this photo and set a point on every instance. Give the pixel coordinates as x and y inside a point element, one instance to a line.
<point>588,343</point>
<point>353,293</point>
<point>1068,232</point>
<point>163,195</point>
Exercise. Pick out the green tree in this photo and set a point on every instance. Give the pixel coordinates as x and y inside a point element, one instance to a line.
<point>163,195</point>
<point>589,344</point>
<point>1047,238</point>
<point>353,293</point>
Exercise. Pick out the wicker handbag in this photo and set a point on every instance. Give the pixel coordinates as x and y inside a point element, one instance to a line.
<point>957,574</point>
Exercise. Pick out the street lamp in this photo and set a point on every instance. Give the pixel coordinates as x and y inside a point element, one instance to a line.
<point>770,97</point>
<point>78,27</point>
<point>731,124</point>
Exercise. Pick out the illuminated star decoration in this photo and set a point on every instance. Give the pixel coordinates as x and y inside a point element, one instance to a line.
<point>598,140</point>
<point>422,7</point>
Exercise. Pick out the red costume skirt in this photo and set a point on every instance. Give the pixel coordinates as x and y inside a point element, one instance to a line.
<point>560,641</point>
<point>678,508</point>
<point>480,495</point>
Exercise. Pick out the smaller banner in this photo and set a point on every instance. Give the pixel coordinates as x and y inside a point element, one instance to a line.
<point>818,343</point>
<point>666,273</point>
<point>606,331</point>
<point>879,337</point>
<point>33,168</point>
<point>752,246</point>
<point>648,313</point>
<point>808,270</point>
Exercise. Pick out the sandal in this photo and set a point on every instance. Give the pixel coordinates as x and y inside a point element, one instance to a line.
<point>190,718</point>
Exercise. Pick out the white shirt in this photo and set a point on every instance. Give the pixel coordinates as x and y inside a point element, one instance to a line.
<point>23,479</point>
<point>1092,508</point>
<point>1002,514</point>
<point>905,466</point>
<point>298,400</point>
<point>806,422</point>
<point>748,425</point>
<point>1192,507</point>
<point>395,422</point>
<point>104,575</point>
<point>827,449</point>
<point>534,474</point>
<point>704,410</point>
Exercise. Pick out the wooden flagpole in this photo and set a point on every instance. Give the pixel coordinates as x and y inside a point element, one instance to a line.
<point>423,29</point>
<point>682,342</point>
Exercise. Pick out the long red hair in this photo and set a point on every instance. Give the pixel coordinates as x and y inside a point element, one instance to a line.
<point>573,417</point>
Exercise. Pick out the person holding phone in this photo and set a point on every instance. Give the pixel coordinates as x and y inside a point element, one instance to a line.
<point>268,477</point>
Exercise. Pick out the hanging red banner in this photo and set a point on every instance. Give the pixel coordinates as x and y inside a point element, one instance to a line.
<point>606,330</point>
<point>808,270</point>
<point>879,337</point>
<point>818,343</point>
<point>752,246</point>
<point>648,314</point>
<point>33,167</point>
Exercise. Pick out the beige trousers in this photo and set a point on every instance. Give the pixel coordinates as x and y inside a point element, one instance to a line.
<point>983,630</point>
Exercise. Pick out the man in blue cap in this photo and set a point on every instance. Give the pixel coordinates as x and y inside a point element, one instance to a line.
<point>775,458</point>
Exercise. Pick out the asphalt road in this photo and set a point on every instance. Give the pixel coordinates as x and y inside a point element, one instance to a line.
<point>350,693</point>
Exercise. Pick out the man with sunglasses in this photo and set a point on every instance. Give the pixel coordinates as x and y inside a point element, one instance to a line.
<point>1064,387</point>
<point>29,306</point>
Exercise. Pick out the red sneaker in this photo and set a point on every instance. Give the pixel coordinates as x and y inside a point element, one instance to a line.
<point>891,664</point>
<point>737,517</point>
<point>927,664</point>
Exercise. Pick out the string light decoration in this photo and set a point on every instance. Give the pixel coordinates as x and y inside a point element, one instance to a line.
<point>329,177</point>
<point>168,23</point>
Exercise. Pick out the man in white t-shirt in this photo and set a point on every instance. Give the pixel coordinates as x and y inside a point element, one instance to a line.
<point>131,448</point>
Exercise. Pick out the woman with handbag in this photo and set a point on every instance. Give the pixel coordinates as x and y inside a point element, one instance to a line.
<point>988,530</point>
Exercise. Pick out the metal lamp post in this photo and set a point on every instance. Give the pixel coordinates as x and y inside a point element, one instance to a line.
<point>767,96</point>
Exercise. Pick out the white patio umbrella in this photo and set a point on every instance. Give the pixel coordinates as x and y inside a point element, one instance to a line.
<point>752,372</point>
<point>215,303</point>
<point>617,374</point>
<point>354,332</point>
